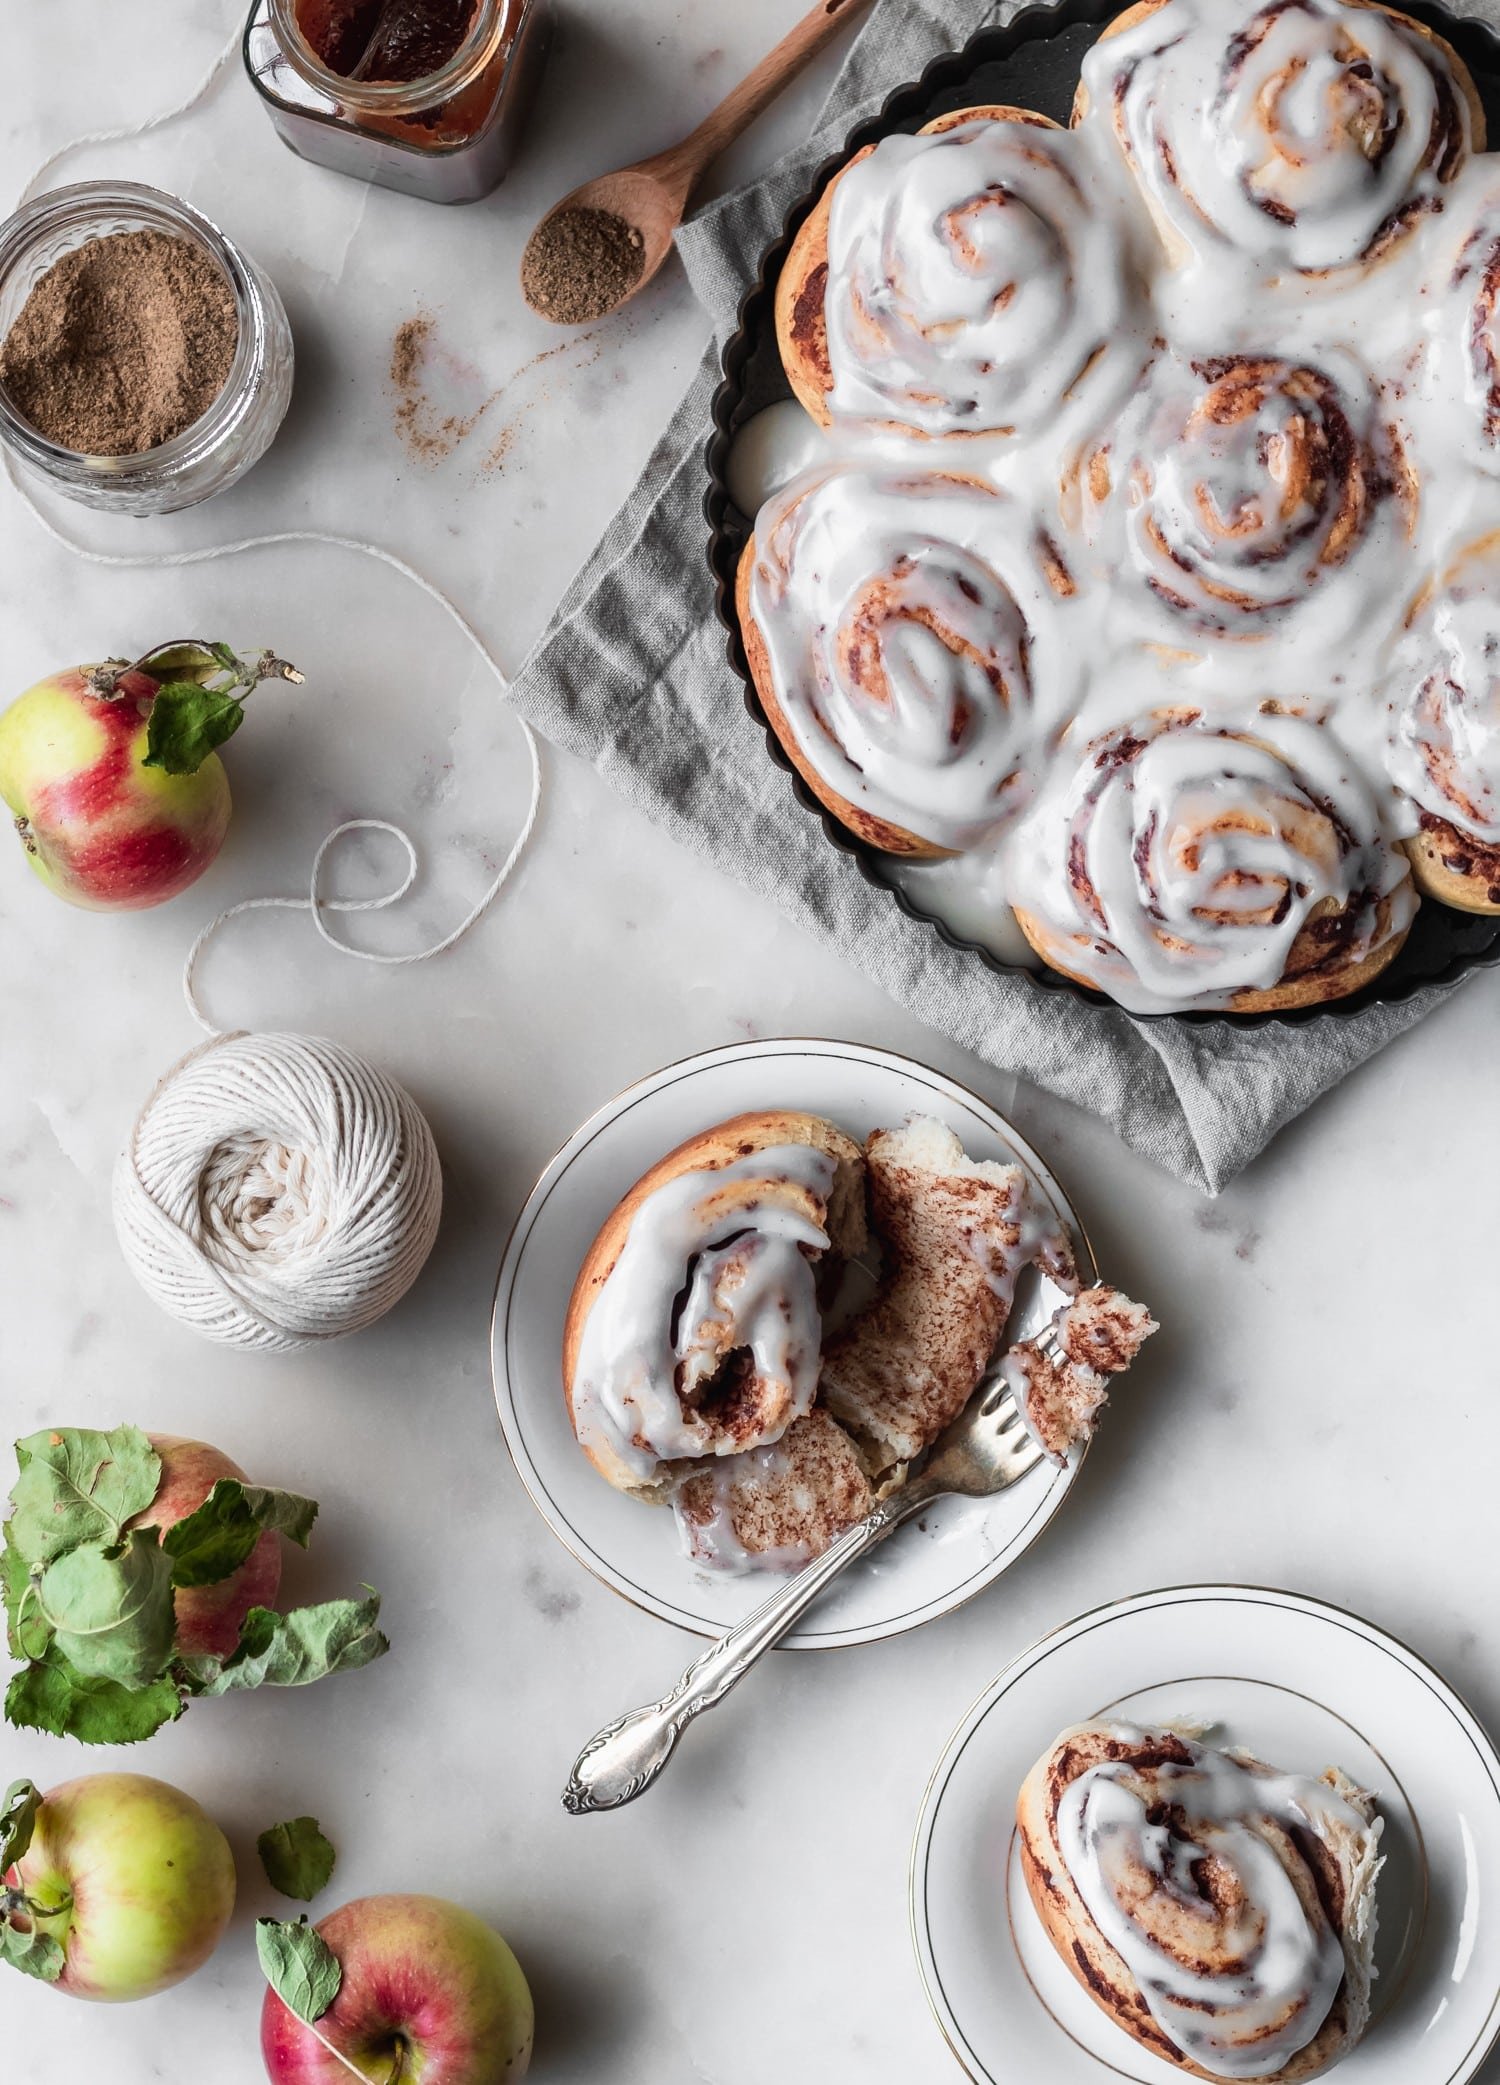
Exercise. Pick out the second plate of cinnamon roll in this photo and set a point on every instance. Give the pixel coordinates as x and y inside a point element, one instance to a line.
<point>745,1299</point>
<point>1214,1832</point>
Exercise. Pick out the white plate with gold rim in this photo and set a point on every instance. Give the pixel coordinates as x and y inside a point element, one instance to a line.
<point>928,1567</point>
<point>1302,1685</point>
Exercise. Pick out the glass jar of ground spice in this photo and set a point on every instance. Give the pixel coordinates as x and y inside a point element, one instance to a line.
<point>145,361</point>
<point>425,96</point>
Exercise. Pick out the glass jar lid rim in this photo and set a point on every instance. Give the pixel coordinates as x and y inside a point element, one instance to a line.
<point>481,41</point>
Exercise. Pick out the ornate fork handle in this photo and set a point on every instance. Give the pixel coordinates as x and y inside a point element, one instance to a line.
<point>624,1758</point>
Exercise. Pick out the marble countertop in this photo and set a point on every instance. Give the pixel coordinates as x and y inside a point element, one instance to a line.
<point>1318,1412</point>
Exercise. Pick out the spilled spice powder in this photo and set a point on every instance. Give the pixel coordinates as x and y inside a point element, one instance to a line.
<point>122,344</point>
<point>579,263</point>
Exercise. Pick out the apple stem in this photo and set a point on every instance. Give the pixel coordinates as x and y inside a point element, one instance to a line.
<point>104,681</point>
<point>339,2056</point>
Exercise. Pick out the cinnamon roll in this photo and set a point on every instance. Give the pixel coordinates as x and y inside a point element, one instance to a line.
<point>1219,1911</point>
<point>694,1326</point>
<point>1305,137</point>
<point>900,626</point>
<point>955,1234</point>
<point>963,281</point>
<point>1445,746</point>
<point>1238,497</point>
<point>1188,864</point>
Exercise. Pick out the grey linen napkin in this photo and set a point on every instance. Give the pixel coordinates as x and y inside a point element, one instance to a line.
<point>631,673</point>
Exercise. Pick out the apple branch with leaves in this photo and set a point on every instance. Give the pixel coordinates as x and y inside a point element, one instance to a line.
<point>89,1597</point>
<point>199,699</point>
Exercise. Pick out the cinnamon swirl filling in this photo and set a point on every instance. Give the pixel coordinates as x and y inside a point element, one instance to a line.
<point>974,278</point>
<point>1311,139</point>
<point>1236,490</point>
<point>1185,862</point>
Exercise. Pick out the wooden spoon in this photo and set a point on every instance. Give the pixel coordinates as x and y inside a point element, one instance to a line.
<point>652,196</point>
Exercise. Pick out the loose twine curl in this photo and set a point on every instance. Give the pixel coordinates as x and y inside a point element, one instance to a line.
<point>280,1190</point>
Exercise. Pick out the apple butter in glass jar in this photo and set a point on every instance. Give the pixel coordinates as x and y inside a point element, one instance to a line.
<point>425,96</point>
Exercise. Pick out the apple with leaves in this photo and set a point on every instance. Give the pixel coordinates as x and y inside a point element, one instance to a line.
<point>112,1886</point>
<point>396,1989</point>
<point>210,1617</point>
<point>137,1576</point>
<point>119,798</point>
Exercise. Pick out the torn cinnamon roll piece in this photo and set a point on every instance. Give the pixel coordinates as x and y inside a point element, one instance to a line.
<point>955,1233</point>
<point>1062,1386</point>
<point>1219,1911</point>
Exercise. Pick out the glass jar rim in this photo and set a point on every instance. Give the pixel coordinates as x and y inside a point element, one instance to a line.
<point>159,211</point>
<point>394,97</point>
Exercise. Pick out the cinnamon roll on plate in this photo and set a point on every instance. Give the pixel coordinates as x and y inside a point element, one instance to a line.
<point>1302,137</point>
<point>1182,1885</point>
<point>755,1330</point>
<point>965,281</point>
<point>696,1363</point>
<point>1219,1911</point>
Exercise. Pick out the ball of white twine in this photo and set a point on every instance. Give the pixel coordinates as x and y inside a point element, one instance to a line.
<point>277,1191</point>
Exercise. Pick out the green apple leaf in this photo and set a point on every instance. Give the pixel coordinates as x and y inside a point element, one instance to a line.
<point>110,1610</point>
<point>298,1860</point>
<point>34,1954</point>
<point>300,1966</point>
<point>17,1822</point>
<point>292,1650</point>
<point>15,1584</point>
<point>76,1485</point>
<point>50,1696</point>
<point>187,722</point>
<point>214,1541</point>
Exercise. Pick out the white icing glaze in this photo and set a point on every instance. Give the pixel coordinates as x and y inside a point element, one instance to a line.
<point>1445,697</point>
<point>1247,1982</point>
<point>967,892</point>
<point>975,276</point>
<point>909,616</point>
<point>713,1261</point>
<point>1303,135</point>
<point>1258,540</point>
<point>1179,861</point>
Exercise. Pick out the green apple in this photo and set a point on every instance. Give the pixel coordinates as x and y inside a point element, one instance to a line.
<point>131,1879</point>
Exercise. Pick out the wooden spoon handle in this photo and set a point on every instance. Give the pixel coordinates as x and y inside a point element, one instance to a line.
<point>742,104</point>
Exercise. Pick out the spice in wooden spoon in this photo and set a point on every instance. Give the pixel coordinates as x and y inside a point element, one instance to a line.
<point>607,239</point>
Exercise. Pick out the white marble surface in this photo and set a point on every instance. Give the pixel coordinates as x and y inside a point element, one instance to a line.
<point>1319,1412</point>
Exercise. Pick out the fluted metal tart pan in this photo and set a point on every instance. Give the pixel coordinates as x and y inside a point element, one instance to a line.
<point>1032,62</point>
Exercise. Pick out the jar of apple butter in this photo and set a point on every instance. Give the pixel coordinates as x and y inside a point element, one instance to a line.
<point>425,96</point>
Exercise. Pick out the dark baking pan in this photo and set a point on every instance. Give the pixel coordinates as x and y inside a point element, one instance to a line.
<point>1033,62</point>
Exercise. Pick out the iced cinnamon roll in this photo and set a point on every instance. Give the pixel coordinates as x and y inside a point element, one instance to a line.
<point>1445,745</point>
<point>963,281</point>
<point>1219,1911</point>
<point>1184,863</point>
<point>694,1327</point>
<point>1247,498</point>
<point>1301,137</point>
<point>900,626</point>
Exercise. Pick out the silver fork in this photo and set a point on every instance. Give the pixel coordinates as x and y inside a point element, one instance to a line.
<point>986,1448</point>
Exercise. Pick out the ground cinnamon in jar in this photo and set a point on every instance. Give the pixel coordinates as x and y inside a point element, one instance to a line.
<point>122,344</point>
